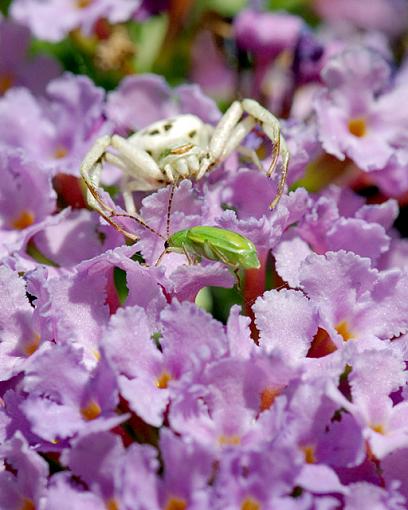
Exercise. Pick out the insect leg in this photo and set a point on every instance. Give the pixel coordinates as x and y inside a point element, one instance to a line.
<point>223,258</point>
<point>162,254</point>
<point>190,260</point>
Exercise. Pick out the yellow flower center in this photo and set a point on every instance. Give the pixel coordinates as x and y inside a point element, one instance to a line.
<point>82,4</point>
<point>379,428</point>
<point>176,504</point>
<point>23,220</point>
<point>357,127</point>
<point>60,152</point>
<point>91,411</point>
<point>343,330</point>
<point>229,440</point>
<point>32,346</point>
<point>163,380</point>
<point>250,504</point>
<point>309,453</point>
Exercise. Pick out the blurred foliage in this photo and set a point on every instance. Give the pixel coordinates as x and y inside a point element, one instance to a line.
<point>4,6</point>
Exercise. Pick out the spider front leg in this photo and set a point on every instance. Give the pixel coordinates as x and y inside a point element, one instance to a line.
<point>91,168</point>
<point>231,131</point>
<point>270,125</point>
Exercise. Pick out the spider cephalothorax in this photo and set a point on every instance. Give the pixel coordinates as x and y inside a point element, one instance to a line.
<point>178,148</point>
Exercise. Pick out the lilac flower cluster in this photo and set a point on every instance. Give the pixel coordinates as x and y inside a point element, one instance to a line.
<point>126,394</point>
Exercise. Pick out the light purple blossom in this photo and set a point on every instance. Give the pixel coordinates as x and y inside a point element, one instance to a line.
<point>67,121</point>
<point>52,20</point>
<point>16,69</point>
<point>358,112</point>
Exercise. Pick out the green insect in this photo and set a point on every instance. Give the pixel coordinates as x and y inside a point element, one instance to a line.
<point>213,243</point>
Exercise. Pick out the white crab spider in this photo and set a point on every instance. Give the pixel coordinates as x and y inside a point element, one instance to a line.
<point>178,148</point>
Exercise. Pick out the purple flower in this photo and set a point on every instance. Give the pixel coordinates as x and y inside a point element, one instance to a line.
<point>389,16</point>
<point>267,34</point>
<point>64,398</point>
<point>52,20</point>
<point>66,121</point>
<point>15,67</point>
<point>355,302</point>
<point>188,337</point>
<point>24,484</point>
<point>20,332</point>
<point>359,113</point>
<point>26,195</point>
<point>336,219</point>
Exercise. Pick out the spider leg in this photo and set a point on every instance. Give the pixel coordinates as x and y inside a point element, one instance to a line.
<point>270,125</point>
<point>138,161</point>
<point>223,129</point>
<point>252,155</point>
<point>91,168</point>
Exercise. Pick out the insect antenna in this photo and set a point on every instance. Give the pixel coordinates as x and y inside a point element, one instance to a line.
<point>139,220</point>
<point>169,205</point>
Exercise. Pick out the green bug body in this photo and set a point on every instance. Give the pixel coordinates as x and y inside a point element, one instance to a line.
<point>234,250</point>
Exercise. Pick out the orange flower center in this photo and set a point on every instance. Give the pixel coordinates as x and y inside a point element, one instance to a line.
<point>357,127</point>
<point>27,504</point>
<point>250,504</point>
<point>32,346</point>
<point>91,411</point>
<point>163,380</point>
<point>82,4</point>
<point>229,440</point>
<point>111,504</point>
<point>6,82</point>
<point>23,220</point>
<point>176,504</point>
<point>268,396</point>
<point>309,453</point>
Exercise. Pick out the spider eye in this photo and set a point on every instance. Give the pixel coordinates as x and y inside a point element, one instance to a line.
<point>166,244</point>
